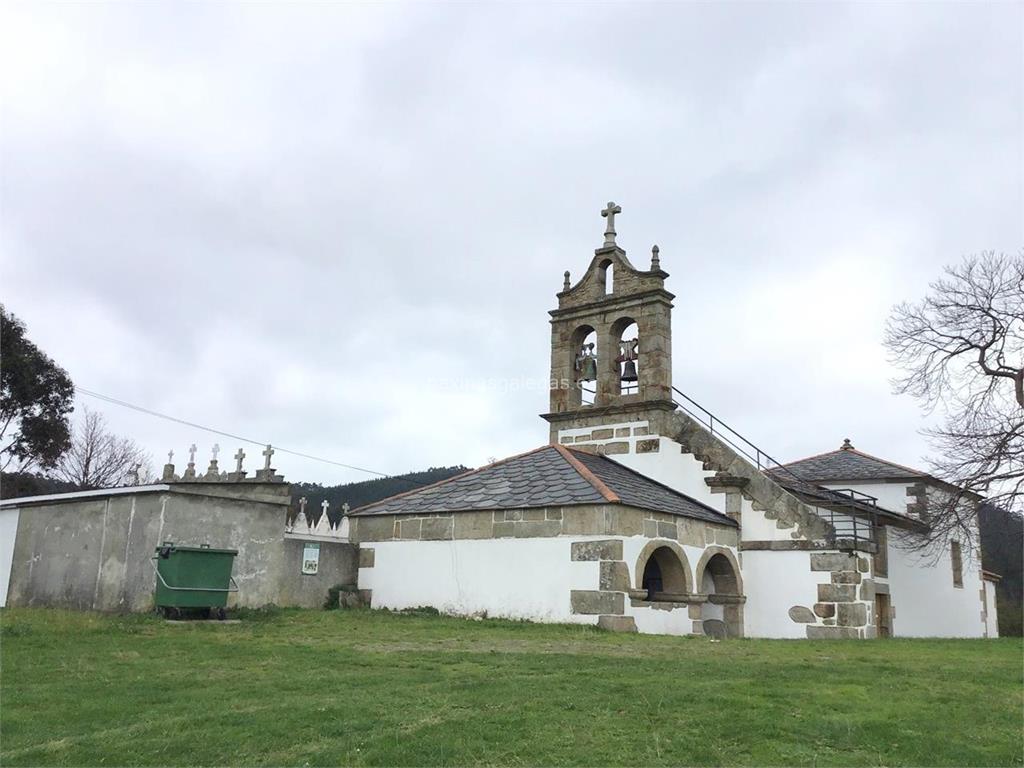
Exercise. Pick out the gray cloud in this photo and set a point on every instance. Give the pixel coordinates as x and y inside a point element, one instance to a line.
<point>298,222</point>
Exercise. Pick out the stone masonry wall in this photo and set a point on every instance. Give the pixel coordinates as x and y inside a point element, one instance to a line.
<point>576,520</point>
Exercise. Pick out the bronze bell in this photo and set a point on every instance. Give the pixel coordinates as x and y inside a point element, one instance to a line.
<point>629,371</point>
<point>588,369</point>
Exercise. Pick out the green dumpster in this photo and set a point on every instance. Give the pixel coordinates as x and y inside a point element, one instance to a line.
<point>193,578</point>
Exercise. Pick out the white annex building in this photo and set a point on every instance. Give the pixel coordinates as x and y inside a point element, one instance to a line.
<point>644,513</point>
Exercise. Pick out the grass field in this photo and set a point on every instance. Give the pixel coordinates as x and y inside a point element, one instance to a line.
<point>360,687</point>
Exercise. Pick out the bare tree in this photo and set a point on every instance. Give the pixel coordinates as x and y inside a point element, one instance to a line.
<point>962,348</point>
<point>99,459</point>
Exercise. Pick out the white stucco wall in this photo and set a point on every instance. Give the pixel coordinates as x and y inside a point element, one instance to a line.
<point>925,602</point>
<point>668,466</point>
<point>992,613</point>
<point>8,531</point>
<point>891,496</point>
<point>508,578</point>
<point>774,582</point>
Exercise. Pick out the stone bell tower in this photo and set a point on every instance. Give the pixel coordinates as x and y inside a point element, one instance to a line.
<point>613,326</point>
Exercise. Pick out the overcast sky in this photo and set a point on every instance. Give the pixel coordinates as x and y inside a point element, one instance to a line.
<point>296,222</point>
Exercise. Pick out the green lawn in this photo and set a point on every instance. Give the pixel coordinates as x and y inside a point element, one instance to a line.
<point>360,687</point>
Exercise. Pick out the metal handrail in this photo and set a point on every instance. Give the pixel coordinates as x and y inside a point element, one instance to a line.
<point>192,589</point>
<point>845,530</point>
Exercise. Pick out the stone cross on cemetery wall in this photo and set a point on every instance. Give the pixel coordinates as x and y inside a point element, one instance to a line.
<point>190,470</point>
<point>238,460</point>
<point>168,474</point>
<point>266,475</point>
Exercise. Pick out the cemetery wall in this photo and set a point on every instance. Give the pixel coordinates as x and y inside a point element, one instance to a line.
<point>8,530</point>
<point>93,550</point>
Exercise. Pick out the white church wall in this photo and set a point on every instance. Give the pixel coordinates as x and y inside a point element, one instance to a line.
<point>756,527</point>
<point>774,582</point>
<point>510,578</point>
<point>991,612</point>
<point>8,532</point>
<point>891,496</point>
<point>924,599</point>
<point>668,465</point>
<point>654,621</point>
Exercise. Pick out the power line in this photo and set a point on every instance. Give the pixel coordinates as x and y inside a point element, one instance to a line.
<point>221,432</point>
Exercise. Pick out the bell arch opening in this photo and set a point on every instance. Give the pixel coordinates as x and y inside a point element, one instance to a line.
<point>584,365</point>
<point>663,575</point>
<point>606,276</point>
<point>626,335</point>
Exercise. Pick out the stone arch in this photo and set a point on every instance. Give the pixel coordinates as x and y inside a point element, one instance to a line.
<point>667,559</point>
<point>623,329</point>
<point>583,334</point>
<point>725,572</point>
<point>718,576</point>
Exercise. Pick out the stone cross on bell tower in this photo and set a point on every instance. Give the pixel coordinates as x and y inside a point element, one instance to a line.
<point>613,300</point>
<point>609,231</point>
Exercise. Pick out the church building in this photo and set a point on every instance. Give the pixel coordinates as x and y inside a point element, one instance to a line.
<point>644,512</point>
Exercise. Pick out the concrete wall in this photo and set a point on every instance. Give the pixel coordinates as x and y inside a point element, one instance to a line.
<point>339,564</point>
<point>8,532</point>
<point>94,552</point>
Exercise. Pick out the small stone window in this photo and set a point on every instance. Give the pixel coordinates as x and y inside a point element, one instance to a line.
<point>956,557</point>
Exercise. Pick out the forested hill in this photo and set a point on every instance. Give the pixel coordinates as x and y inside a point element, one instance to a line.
<point>1002,552</point>
<point>366,491</point>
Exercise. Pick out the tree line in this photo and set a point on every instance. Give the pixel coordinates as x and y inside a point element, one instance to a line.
<point>40,451</point>
<point>364,492</point>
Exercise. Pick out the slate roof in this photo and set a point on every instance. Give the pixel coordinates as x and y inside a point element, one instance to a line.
<point>550,476</point>
<point>848,464</point>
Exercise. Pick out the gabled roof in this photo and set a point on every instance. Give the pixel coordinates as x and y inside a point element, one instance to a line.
<point>550,476</point>
<point>848,463</point>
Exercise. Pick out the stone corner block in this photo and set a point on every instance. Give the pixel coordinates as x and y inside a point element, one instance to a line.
<point>366,557</point>
<point>617,623</point>
<point>851,614</point>
<point>614,576</point>
<point>833,561</point>
<point>837,593</point>
<point>603,549</point>
<point>831,633</point>
<point>590,602</point>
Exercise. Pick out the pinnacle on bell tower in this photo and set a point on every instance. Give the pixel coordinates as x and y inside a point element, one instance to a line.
<point>611,342</point>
